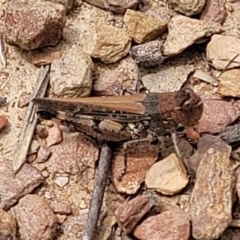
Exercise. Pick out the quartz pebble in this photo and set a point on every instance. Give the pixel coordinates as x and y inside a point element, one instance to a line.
<point>61,181</point>
<point>167,176</point>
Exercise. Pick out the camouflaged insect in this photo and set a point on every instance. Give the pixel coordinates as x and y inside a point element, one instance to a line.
<point>121,118</point>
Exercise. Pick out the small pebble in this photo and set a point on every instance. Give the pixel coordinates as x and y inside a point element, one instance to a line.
<point>45,173</point>
<point>61,218</point>
<point>41,131</point>
<point>3,122</point>
<point>24,99</point>
<point>43,154</point>
<point>61,181</point>
<point>32,158</point>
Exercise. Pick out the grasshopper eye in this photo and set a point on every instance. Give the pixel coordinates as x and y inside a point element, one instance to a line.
<point>187,104</point>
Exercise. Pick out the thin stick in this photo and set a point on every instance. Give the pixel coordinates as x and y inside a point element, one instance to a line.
<point>228,64</point>
<point>98,193</point>
<point>30,122</point>
<point>175,144</point>
<point>2,53</point>
<point>136,84</point>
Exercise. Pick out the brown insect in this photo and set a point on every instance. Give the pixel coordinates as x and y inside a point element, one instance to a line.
<point>121,118</point>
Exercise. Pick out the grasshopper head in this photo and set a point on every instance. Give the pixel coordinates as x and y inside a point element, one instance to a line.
<point>189,107</point>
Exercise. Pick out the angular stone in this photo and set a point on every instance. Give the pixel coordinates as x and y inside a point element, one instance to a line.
<point>35,145</point>
<point>231,135</point>
<point>148,54</point>
<point>12,189</point>
<point>46,57</point>
<point>120,6</point>
<point>217,114</point>
<point>212,196</point>
<point>205,142</point>
<point>168,225</point>
<point>8,226</point>
<point>61,207</point>
<point>107,43</point>
<point>188,7</point>
<point>73,155</point>
<point>24,99</point>
<point>169,79</point>
<point>167,176</point>
<point>205,77</point>
<point>221,51</point>
<point>185,31</point>
<point>54,136</point>
<point>61,218</point>
<point>35,218</point>
<point>43,154</point>
<point>139,159</point>
<point>214,11</point>
<point>131,212</point>
<point>74,225</point>
<point>71,76</point>
<point>61,181</point>
<point>163,13</point>
<point>142,27</point>
<point>229,83</point>
<point>33,24</point>
<point>111,83</point>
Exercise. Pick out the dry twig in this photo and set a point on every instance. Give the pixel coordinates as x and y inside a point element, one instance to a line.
<point>30,122</point>
<point>2,52</point>
<point>98,193</point>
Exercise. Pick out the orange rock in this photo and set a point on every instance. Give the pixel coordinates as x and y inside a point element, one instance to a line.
<point>3,122</point>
